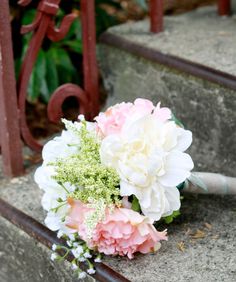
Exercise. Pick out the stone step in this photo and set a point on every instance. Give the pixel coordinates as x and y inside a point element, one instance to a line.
<point>190,67</point>
<point>186,256</point>
<point>24,253</point>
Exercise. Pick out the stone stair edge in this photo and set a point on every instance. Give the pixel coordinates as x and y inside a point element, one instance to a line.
<point>43,235</point>
<point>170,61</point>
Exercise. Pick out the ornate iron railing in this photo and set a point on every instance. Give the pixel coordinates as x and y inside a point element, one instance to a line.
<point>10,142</point>
<point>156,13</point>
<point>13,99</point>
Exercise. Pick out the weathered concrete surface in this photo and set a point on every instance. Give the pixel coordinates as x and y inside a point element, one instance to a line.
<point>208,109</point>
<point>211,258</point>
<point>200,36</point>
<point>23,259</point>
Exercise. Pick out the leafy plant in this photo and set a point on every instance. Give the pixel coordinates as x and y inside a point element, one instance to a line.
<point>54,65</point>
<point>60,62</point>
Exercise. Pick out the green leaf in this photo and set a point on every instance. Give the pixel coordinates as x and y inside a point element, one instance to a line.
<point>28,16</point>
<point>181,186</point>
<point>168,219</point>
<point>135,204</point>
<point>65,69</point>
<point>197,181</point>
<point>36,83</point>
<point>44,92</point>
<point>75,31</point>
<point>75,46</point>
<point>51,74</point>
<point>177,121</point>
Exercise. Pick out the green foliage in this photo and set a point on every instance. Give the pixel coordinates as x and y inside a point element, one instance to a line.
<point>54,65</point>
<point>177,121</point>
<point>181,186</point>
<point>135,204</point>
<point>60,62</point>
<point>168,219</point>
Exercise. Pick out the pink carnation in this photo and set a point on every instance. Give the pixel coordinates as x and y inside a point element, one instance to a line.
<point>114,118</point>
<point>76,217</point>
<point>123,232</point>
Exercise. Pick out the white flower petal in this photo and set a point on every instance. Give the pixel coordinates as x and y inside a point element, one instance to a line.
<point>173,197</point>
<point>145,198</point>
<point>43,177</point>
<point>60,147</point>
<point>127,189</point>
<point>184,139</point>
<point>48,202</point>
<point>177,168</point>
<point>53,221</point>
<point>157,203</point>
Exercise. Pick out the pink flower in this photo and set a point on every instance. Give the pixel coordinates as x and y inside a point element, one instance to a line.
<point>143,107</point>
<point>113,120</point>
<point>122,232</point>
<point>76,217</point>
<point>162,114</point>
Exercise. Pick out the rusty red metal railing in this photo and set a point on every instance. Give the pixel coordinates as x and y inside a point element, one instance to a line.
<point>224,7</point>
<point>156,13</point>
<point>42,27</point>
<point>9,127</point>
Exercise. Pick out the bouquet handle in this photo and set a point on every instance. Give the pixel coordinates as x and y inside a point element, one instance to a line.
<point>215,184</point>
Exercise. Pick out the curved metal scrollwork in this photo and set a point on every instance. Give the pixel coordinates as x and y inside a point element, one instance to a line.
<point>44,26</point>
<point>59,96</point>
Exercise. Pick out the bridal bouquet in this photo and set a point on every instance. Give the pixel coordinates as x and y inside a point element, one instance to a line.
<point>106,182</point>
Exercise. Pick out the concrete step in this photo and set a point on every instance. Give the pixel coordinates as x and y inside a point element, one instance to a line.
<point>23,258</point>
<point>191,67</point>
<point>24,253</point>
<point>184,257</point>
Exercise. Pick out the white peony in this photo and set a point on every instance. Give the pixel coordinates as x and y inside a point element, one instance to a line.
<point>148,156</point>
